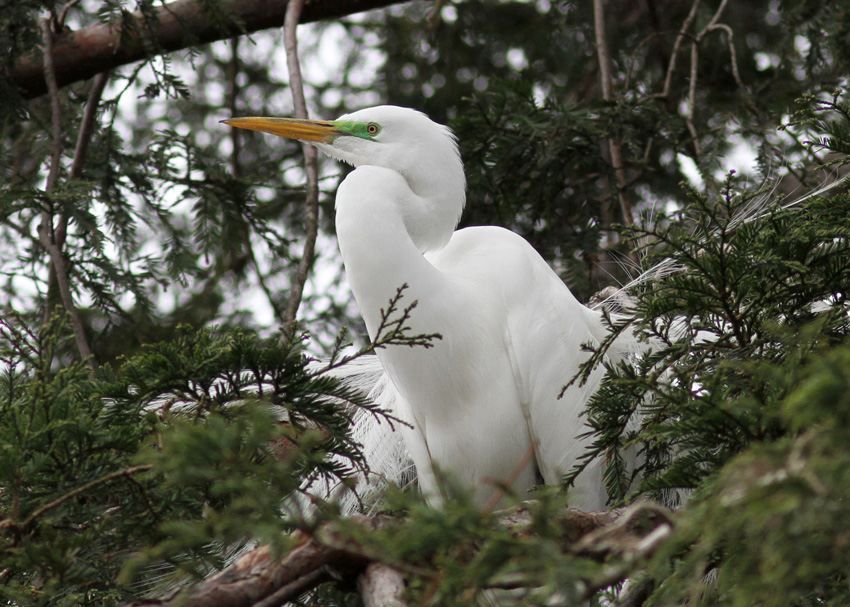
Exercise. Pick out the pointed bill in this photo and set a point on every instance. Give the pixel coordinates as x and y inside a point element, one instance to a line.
<point>306,130</point>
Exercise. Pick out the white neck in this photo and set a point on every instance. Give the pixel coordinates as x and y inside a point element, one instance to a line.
<point>433,211</point>
<point>381,240</point>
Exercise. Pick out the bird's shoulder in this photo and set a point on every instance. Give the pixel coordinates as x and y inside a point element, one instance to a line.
<point>486,245</point>
<point>497,262</point>
<point>496,265</point>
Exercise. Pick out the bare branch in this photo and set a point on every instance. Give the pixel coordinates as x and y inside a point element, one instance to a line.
<point>87,127</point>
<point>258,575</point>
<point>514,475</point>
<point>733,56</point>
<point>714,19</point>
<point>602,52</point>
<point>696,39</point>
<point>683,33</point>
<point>614,147</point>
<point>692,84</point>
<point>58,273</point>
<point>60,22</point>
<point>692,102</point>
<point>294,588</point>
<point>58,264</point>
<point>311,165</point>
<point>55,103</point>
<point>626,535</point>
<point>103,46</point>
<point>88,124</point>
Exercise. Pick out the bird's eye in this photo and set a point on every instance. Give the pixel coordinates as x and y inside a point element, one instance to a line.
<point>373,129</point>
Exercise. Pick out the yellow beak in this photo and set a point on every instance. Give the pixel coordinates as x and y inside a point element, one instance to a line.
<point>293,128</point>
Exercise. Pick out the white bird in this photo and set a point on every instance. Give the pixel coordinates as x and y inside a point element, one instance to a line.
<point>484,401</point>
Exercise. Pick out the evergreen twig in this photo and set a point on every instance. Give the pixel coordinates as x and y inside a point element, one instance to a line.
<point>79,491</point>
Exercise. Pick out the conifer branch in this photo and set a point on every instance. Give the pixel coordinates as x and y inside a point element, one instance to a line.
<point>674,55</point>
<point>311,166</point>
<point>80,490</point>
<point>393,330</point>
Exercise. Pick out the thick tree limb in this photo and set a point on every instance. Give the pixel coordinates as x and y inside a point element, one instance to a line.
<point>258,579</point>
<point>258,575</point>
<point>97,48</point>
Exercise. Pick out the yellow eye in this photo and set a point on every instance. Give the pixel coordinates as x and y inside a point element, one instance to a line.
<point>373,129</point>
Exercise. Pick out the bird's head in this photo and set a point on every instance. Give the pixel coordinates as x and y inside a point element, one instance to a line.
<point>396,138</point>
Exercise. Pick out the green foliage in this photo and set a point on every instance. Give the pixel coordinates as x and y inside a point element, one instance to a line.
<point>830,119</point>
<point>742,283</point>
<point>191,446</point>
<point>534,167</point>
<point>742,405</point>
<point>773,521</point>
<point>119,479</point>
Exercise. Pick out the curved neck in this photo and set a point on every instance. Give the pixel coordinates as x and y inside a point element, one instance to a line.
<point>383,227</point>
<point>439,189</point>
<point>432,212</point>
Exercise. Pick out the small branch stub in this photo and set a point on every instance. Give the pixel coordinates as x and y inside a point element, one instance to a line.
<point>381,586</point>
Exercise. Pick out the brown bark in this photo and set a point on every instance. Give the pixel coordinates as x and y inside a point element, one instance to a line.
<point>81,54</point>
<point>259,579</point>
<point>258,575</point>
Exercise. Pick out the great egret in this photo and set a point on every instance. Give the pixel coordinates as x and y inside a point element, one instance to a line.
<point>485,397</point>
